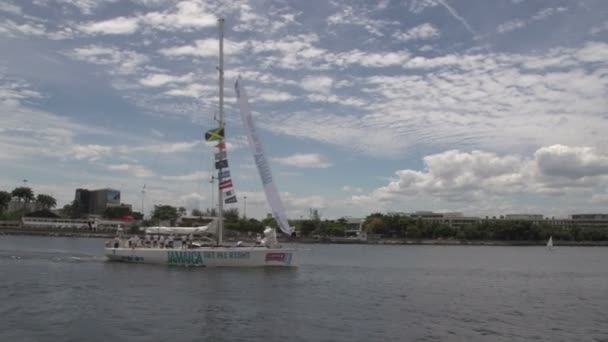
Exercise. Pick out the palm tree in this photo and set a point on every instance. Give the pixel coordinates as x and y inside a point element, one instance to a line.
<point>24,194</point>
<point>5,198</point>
<point>46,201</point>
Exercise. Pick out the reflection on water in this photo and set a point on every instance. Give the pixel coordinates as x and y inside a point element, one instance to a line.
<point>61,289</point>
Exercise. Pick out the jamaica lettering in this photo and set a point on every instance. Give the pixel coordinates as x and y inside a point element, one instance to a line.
<point>184,258</point>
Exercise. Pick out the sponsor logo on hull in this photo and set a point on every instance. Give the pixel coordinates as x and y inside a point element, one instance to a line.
<point>188,258</point>
<point>196,258</point>
<point>280,257</point>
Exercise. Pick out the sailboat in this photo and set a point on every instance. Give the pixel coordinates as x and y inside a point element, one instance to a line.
<point>550,243</point>
<point>266,252</point>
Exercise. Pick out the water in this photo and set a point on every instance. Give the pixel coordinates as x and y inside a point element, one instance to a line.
<point>61,289</point>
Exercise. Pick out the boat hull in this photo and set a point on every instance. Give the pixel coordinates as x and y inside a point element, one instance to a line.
<point>206,256</point>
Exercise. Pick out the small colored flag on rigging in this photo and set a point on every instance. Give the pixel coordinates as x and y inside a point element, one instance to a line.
<point>223,174</point>
<point>229,200</point>
<point>216,134</point>
<point>226,184</point>
<point>220,155</point>
<point>221,145</point>
<point>229,193</point>
<point>222,164</point>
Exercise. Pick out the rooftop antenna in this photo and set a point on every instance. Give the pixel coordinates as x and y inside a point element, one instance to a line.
<point>143,196</point>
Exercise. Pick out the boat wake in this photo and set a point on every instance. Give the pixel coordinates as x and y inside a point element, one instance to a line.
<point>61,257</point>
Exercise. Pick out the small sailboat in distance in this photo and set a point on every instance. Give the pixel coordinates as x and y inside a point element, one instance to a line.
<point>550,243</point>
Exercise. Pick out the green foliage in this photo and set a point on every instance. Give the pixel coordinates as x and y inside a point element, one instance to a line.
<point>210,212</point>
<point>114,213</point>
<point>5,198</point>
<point>42,213</point>
<point>231,215</point>
<point>46,201</point>
<point>331,228</point>
<point>182,211</point>
<point>23,193</point>
<point>391,226</point>
<point>196,212</point>
<point>375,224</point>
<point>245,225</point>
<point>137,215</point>
<point>164,213</point>
<point>13,216</point>
<point>307,227</point>
<point>72,210</point>
<point>269,221</point>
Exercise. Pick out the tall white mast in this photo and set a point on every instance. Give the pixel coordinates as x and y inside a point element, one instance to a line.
<point>220,196</point>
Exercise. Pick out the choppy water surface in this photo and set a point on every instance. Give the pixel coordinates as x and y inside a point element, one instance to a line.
<point>61,289</point>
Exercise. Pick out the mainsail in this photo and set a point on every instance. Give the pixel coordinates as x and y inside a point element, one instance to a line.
<point>272,195</point>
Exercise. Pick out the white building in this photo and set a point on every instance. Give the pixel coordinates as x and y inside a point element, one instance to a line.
<point>524,217</point>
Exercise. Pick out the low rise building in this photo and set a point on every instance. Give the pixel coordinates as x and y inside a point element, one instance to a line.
<point>590,220</point>
<point>524,217</point>
<point>95,202</point>
<point>451,219</point>
<point>354,226</point>
<point>15,205</point>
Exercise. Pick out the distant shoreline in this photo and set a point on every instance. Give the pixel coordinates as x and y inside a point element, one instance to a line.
<point>392,242</point>
<point>448,242</point>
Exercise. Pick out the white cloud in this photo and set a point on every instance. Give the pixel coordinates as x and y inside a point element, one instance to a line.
<point>345,101</point>
<point>264,20</point>
<point>195,176</point>
<point>368,59</point>
<point>420,32</point>
<point>417,6</point>
<point>120,61</point>
<point>548,12</point>
<point>467,99</point>
<point>119,25</point>
<point>515,24</point>
<point>12,29</point>
<point>157,80</point>
<point>270,95</point>
<point>593,52</point>
<point>203,48</point>
<point>10,8</point>
<point>571,162</point>
<point>598,29</point>
<point>90,152</point>
<point>466,179</point>
<point>86,6</point>
<point>135,170</point>
<point>174,147</point>
<point>305,160</point>
<point>348,188</point>
<point>358,17</point>
<point>188,15</point>
<point>321,84</point>
<point>193,90</point>
<point>510,25</point>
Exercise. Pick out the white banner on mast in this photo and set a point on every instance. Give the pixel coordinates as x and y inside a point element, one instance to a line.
<point>272,195</point>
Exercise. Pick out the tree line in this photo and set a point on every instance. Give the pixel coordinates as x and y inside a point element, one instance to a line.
<point>376,224</point>
<point>400,226</point>
<point>24,195</point>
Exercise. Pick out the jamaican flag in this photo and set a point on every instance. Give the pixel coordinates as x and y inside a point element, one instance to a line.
<point>216,134</point>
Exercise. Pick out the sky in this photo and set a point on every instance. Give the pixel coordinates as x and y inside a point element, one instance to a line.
<point>482,107</point>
